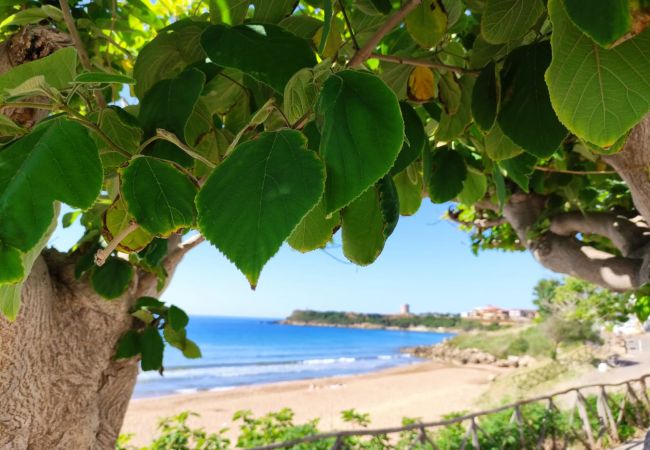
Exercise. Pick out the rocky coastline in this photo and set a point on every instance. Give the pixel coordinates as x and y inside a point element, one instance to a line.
<point>448,353</point>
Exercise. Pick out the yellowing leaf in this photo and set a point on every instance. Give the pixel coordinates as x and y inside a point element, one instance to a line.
<point>427,23</point>
<point>422,84</point>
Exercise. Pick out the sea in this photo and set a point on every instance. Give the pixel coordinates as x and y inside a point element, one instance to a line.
<point>247,351</point>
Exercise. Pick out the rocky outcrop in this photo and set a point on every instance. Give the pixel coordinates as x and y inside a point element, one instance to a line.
<point>450,353</point>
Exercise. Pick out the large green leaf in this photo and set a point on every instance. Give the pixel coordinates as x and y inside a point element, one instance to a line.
<point>448,173</point>
<point>272,11</point>
<point>267,53</point>
<point>474,187</point>
<point>113,278</point>
<point>116,220</point>
<point>56,161</point>
<point>427,23</point>
<point>253,200</point>
<point>151,347</point>
<point>485,97</point>
<point>357,155</point>
<point>498,146</point>
<point>314,230</point>
<point>158,195</point>
<point>58,70</point>
<point>169,104</point>
<point>409,190</point>
<point>526,115</point>
<point>168,54</point>
<point>519,169</point>
<point>451,126</point>
<point>414,141</point>
<point>12,265</point>
<point>604,22</point>
<point>507,20</point>
<point>598,94</point>
<point>363,227</point>
<point>10,294</point>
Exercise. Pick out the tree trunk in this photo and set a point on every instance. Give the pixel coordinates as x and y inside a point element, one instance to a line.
<point>59,386</point>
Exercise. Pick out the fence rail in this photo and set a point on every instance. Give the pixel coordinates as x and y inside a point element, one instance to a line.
<point>595,421</point>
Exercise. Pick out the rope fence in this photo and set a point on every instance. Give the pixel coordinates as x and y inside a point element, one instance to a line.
<point>600,416</point>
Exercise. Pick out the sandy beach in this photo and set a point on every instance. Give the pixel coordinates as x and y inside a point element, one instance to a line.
<point>426,390</point>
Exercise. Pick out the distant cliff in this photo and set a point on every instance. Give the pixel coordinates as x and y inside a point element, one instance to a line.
<point>420,322</point>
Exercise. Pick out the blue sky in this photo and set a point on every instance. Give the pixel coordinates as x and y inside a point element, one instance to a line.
<point>427,262</point>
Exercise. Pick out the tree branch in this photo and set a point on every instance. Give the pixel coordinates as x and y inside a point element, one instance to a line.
<point>627,236</point>
<point>78,44</point>
<point>569,256</point>
<point>364,52</point>
<point>422,63</point>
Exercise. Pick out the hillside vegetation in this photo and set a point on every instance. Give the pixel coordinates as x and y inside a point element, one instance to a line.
<point>349,319</point>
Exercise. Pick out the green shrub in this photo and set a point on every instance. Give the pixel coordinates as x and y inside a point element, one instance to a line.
<point>518,347</point>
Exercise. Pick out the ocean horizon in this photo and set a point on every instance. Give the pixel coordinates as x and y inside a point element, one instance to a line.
<point>243,351</point>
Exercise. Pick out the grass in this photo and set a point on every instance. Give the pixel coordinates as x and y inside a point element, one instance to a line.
<point>530,340</point>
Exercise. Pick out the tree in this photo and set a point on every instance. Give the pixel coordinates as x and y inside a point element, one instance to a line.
<point>256,122</point>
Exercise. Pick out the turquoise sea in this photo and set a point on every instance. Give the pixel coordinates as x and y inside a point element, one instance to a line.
<point>246,351</point>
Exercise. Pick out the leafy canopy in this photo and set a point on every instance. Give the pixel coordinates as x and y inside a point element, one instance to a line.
<point>263,122</point>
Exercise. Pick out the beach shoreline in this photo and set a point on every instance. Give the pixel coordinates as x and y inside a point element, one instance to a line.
<point>425,390</point>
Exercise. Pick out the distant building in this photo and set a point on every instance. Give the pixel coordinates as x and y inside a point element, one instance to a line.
<point>493,313</point>
<point>405,310</point>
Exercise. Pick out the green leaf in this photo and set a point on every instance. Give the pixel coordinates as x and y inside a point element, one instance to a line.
<point>598,94</point>
<point>231,12</point>
<point>315,230</point>
<point>415,138</point>
<point>150,303</point>
<point>123,130</point>
<point>102,77</point>
<point>363,227</point>
<point>450,93</point>
<point>113,278</point>
<point>500,185</point>
<point>168,54</point>
<point>451,126</point>
<point>642,308</point>
<point>474,187</point>
<point>427,23</point>
<point>507,20</point>
<point>301,92</point>
<point>272,11</point>
<point>10,294</point>
<point>152,348</point>
<point>519,169</point>
<point>498,146</point>
<point>526,115</point>
<point>168,105</point>
<point>604,22</point>
<point>128,346</point>
<point>485,97</point>
<point>159,196</point>
<point>191,350</point>
<point>383,6</point>
<point>357,155</point>
<point>56,161</point>
<point>57,69</point>
<point>12,265</point>
<point>116,220</point>
<point>409,191</point>
<point>177,318</point>
<point>389,203</point>
<point>448,173</point>
<point>327,22</point>
<point>253,200</point>
<point>265,52</point>
<point>8,128</point>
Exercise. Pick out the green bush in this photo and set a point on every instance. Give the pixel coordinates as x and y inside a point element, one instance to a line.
<point>497,431</point>
<point>518,347</point>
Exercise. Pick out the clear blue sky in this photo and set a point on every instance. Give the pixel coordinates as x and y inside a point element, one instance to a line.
<point>427,262</point>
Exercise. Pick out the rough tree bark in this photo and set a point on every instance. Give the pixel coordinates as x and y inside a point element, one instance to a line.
<point>59,385</point>
<point>60,388</point>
